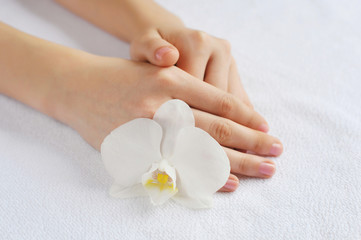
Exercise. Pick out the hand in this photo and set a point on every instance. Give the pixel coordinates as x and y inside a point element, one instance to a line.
<point>201,55</point>
<point>209,59</point>
<point>159,37</point>
<point>107,92</point>
<point>94,95</point>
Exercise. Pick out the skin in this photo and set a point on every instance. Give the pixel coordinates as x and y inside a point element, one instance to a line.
<point>159,37</point>
<point>95,94</point>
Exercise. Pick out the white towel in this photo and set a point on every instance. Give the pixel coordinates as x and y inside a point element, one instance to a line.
<point>300,62</point>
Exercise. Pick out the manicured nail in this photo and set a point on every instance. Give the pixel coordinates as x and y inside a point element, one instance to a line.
<point>231,185</point>
<point>161,52</point>
<point>276,149</point>
<point>264,127</point>
<point>266,169</point>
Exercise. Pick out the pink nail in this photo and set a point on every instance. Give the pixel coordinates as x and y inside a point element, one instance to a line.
<point>266,169</point>
<point>231,185</point>
<point>161,52</point>
<point>263,127</point>
<point>276,149</point>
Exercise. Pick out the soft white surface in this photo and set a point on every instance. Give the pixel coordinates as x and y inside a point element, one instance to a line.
<point>300,63</point>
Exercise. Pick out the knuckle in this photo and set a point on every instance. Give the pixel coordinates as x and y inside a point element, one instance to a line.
<point>165,77</point>
<point>136,45</point>
<point>199,37</point>
<point>142,108</point>
<point>226,46</point>
<point>134,53</point>
<point>220,130</point>
<point>226,104</point>
<point>250,119</point>
<point>248,103</point>
<point>242,164</point>
<point>145,38</point>
<point>259,143</point>
<point>146,109</point>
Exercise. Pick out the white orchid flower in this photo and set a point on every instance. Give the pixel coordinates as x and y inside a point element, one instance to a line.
<point>167,157</point>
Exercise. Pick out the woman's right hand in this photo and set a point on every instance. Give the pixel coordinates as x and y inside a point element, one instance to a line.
<point>103,93</point>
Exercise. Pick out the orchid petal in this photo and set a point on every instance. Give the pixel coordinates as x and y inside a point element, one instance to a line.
<point>129,151</point>
<point>119,191</point>
<point>172,116</point>
<point>202,167</point>
<point>160,182</point>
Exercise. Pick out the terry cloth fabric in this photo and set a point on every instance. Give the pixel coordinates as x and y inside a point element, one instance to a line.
<point>300,62</point>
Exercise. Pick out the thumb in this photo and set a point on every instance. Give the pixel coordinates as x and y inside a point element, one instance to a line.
<point>154,49</point>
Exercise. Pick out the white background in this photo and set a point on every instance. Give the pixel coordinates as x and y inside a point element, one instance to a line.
<point>300,62</point>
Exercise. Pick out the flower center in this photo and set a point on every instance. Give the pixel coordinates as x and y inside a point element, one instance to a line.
<point>161,180</point>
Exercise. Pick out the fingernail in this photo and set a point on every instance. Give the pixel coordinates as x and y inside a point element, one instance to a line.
<point>276,149</point>
<point>231,185</point>
<point>266,169</point>
<point>161,52</point>
<point>264,127</point>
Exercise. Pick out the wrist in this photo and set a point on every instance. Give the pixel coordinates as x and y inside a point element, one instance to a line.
<point>158,20</point>
<point>125,19</point>
<point>35,71</point>
<point>70,71</point>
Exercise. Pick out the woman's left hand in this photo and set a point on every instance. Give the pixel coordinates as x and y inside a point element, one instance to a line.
<point>206,57</point>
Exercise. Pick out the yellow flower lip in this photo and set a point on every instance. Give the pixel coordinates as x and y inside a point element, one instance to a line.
<point>162,181</point>
<point>162,178</point>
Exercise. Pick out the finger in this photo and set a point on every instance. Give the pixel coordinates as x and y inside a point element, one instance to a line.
<point>232,135</point>
<point>195,51</point>
<point>217,71</point>
<point>235,86</point>
<point>231,184</point>
<point>249,164</point>
<point>154,49</point>
<point>194,63</point>
<point>208,98</point>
